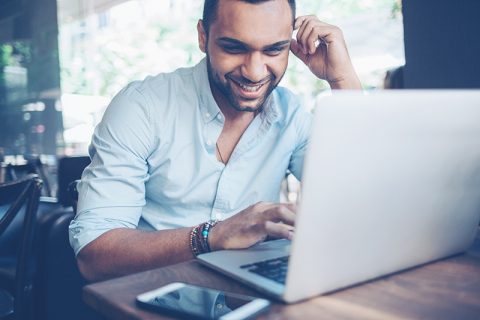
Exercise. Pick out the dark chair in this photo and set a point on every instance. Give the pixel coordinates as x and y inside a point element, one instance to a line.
<point>58,274</point>
<point>69,169</point>
<point>58,282</point>
<point>58,278</point>
<point>73,194</point>
<point>34,165</point>
<point>21,196</point>
<point>11,238</point>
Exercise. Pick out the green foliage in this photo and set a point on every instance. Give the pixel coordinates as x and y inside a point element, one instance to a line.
<point>5,55</point>
<point>105,60</point>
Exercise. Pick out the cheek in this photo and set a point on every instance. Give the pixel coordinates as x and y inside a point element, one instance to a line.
<point>278,66</point>
<point>223,63</point>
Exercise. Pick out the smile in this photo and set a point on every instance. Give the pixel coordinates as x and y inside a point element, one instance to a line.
<point>250,88</point>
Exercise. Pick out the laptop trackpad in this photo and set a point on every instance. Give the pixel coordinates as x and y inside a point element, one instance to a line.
<point>259,252</point>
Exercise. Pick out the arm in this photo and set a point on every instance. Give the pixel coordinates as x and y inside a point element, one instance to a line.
<point>323,49</point>
<point>123,251</point>
<point>112,194</point>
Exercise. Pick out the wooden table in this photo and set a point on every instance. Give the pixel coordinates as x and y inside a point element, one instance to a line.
<point>446,289</point>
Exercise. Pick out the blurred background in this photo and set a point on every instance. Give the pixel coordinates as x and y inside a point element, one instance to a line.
<point>61,61</point>
<point>60,72</point>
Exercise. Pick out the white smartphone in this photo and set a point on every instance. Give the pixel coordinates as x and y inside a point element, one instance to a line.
<point>194,302</point>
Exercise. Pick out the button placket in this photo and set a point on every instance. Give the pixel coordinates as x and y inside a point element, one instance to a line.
<point>220,203</point>
<point>211,131</point>
<point>252,136</point>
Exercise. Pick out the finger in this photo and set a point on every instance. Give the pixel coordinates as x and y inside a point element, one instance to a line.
<point>313,41</point>
<point>299,21</point>
<point>287,216</point>
<point>302,28</point>
<point>282,213</point>
<point>297,51</point>
<point>311,29</point>
<point>292,207</point>
<point>327,32</point>
<point>305,30</point>
<point>278,230</point>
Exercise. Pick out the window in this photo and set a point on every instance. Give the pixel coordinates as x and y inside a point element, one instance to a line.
<point>104,45</point>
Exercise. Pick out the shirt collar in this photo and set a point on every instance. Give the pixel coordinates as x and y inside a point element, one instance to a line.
<point>208,106</point>
<point>271,111</point>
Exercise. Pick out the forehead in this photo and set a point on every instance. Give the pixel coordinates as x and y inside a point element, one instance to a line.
<point>265,22</point>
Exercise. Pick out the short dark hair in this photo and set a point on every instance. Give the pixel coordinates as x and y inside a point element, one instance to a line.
<point>210,9</point>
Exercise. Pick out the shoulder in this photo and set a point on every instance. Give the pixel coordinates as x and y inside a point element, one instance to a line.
<point>155,94</point>
<point>164,85</point>
<point>290,108</point>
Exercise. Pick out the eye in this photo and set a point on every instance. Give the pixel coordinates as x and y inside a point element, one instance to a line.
<point>233,49</point>
<point>273,51</point>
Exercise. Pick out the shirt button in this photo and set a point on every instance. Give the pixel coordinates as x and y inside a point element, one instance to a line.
<point>219,117</point>
<point>209,143</point>
<point>207,115</point>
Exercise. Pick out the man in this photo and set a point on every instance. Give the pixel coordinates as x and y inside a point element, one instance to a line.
<point>192,161</point>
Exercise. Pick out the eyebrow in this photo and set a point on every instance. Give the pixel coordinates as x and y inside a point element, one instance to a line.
<point>227,40</point>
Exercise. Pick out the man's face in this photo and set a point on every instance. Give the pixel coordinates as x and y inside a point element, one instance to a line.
<point>247,51</point>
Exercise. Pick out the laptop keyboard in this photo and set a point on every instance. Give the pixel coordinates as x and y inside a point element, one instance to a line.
<point>273,269</point>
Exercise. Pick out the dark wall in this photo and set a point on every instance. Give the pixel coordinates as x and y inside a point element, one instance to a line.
<point>442,43</point>
<point>31,25</point>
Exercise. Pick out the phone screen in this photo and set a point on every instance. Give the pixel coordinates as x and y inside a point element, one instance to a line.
<point>199,302</point>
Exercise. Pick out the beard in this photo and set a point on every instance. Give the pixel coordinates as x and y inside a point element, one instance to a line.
<point>225,88</point>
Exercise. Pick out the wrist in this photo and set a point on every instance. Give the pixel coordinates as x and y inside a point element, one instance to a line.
<point>346,83</point>
<point>350,81</point>
<point>200,238</point>
<point>206,233</point>
<point>214,237</point>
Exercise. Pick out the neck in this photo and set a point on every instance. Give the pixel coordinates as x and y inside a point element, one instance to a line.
<point>231,114</point>
<point>234,116</point>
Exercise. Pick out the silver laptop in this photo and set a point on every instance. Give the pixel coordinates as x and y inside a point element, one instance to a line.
<point>391,181</point>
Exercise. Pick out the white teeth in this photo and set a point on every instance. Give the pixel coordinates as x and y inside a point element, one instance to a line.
<point>249,88</point>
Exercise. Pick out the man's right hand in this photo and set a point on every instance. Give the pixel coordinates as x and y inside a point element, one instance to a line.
<point>253,225</point>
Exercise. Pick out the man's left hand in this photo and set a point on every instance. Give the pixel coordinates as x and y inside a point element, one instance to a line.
<point>322,48</point>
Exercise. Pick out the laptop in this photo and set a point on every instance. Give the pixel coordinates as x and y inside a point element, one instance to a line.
<point>391,180</point>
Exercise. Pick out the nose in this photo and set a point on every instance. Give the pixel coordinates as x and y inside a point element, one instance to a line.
<point>254,67</point>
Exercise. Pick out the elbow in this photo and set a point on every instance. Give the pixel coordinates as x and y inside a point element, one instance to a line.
<point>94,260</point>
<point>86,267</point>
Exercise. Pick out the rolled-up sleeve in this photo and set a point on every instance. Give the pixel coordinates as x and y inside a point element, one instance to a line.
<point>112,188</point>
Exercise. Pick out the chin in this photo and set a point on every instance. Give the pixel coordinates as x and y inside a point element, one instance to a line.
<point>248,108</point>
<point>245,105</point>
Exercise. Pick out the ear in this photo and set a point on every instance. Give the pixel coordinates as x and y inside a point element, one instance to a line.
<point>202,36</point>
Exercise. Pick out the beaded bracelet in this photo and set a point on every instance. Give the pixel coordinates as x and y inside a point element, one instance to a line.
<point>205,232</point>
<point>193,241</point>
<point>199,237</point>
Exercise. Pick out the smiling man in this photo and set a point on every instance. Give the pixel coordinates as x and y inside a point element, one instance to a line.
<point>192,161</point>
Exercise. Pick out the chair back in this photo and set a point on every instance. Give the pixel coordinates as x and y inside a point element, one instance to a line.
<point>23,193</point>
<point>69,169</point>
<point>14,172</point>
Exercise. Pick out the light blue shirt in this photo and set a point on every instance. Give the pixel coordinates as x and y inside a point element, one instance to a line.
<point>153,157</point>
